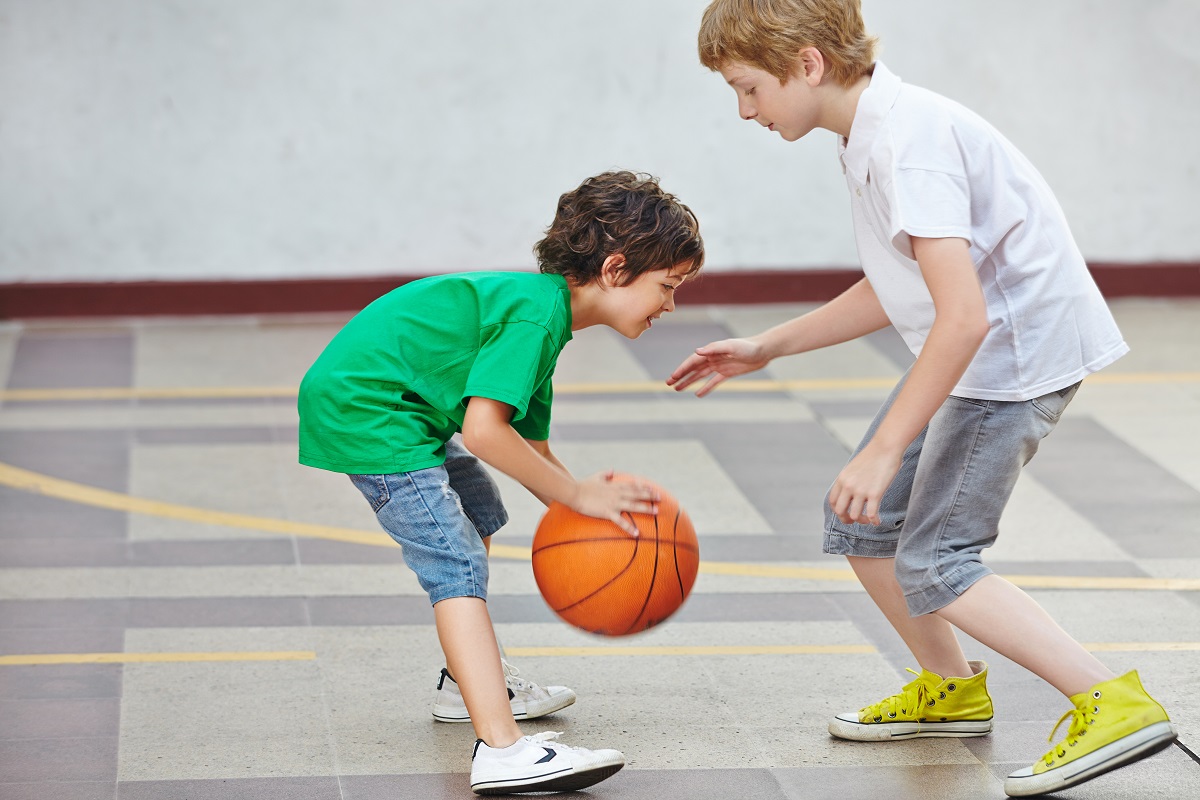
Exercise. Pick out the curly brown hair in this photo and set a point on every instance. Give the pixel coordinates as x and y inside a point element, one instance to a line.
<point>620,213</point>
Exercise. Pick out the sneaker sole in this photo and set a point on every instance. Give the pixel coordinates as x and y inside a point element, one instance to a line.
<point>1126,750</point>
<point>887,731</point>
<point>532,711</point>
<point>563,782</point>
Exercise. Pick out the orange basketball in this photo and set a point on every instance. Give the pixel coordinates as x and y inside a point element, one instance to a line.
<point>599,578</point>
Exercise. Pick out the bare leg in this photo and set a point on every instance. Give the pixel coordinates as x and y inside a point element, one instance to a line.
<point>473,658</point>
<point>1004,618</point>
<point>930,637</point>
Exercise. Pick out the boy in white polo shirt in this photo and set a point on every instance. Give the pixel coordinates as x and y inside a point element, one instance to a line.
<point>967,253</point>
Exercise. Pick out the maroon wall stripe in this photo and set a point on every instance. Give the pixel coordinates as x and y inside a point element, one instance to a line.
<point>149,298</point>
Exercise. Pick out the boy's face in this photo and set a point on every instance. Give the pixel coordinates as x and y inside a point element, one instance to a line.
<point>634,306</point>
<point>790,109</point>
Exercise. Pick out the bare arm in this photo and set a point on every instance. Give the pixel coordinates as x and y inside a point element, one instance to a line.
<point>959,328</point>
<point>854,313</point>
<point>488,435</point>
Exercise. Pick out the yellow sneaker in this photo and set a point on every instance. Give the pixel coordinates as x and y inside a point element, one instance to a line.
<point>1114,724</point>
<point>929,706</point>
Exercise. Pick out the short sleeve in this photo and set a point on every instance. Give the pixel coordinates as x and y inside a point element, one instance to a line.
<point>929,204</point>
<point>535,425</point>
<point>514,360</point>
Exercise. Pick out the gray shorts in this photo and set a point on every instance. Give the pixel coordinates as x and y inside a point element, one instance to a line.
<point>944,505</point>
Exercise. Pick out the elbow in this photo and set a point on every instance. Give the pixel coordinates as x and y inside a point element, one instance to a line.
<point>477,439</point>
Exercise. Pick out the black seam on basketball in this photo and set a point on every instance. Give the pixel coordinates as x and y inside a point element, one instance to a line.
<point>636,546</point>
<point>653,580</point>
<point>675,553</point>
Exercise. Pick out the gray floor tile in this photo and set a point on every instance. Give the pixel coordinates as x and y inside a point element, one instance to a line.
<point>53,361</point>
<point>232,789</point>
<point>60,719</point>
<point>63,681</point>
<point>59,790</point>
<point>83,759</point>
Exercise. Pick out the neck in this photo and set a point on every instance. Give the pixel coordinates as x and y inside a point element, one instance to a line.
<point>843,106</point>
<point>585,308</point>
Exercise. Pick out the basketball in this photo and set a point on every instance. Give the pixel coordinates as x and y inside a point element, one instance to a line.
<point>597,577</point>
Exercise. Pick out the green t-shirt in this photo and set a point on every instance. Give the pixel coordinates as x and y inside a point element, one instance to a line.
<point>391,387</point>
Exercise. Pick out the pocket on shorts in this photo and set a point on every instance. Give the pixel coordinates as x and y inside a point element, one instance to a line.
<point>374,488</point>
<point>1052,404</point>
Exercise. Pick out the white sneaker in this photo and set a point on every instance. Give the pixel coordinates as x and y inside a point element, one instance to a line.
<point>538,764</point>
<point>528,700</point>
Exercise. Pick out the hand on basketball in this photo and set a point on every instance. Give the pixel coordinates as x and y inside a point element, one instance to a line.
<point>859,488</point>
<point>602,497</point>
<point>716,362</point>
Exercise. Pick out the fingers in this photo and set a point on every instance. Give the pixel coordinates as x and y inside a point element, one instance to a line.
<point>851,508</point>
<point>693,367</point>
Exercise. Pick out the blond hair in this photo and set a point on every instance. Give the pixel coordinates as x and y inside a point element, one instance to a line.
<point>769,34</point>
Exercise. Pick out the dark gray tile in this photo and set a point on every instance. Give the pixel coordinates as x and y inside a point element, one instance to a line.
<point>63,552</point>
<point>1129,497</point>
<point>690,784</point>
<point>28,641</point>
<point>61,361</point>
<point>88,614</point>
<point>628,784</point>
<point>60,681</point>
<point>58,790</point>
<point>60,719</point>
<point>97,458</point>
<point>203,612</point>
<point>24,515</point>
<point>318,788</point>
<point>30,760</point>
<point>432,786</point>
<point>900,782</point>
<point>324,551</point>
<point>332,611</point>
<point>93,458</point>
<point>212,553</point>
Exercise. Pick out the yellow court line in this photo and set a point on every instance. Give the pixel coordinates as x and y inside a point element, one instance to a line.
<point>37,483</point>
<point>746,386</point>
<point>150,658</point>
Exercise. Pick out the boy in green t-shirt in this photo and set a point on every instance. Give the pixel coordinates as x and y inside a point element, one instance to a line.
<point>474,354</point>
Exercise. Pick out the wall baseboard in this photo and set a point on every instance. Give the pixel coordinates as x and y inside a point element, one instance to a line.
<point>184,298</point>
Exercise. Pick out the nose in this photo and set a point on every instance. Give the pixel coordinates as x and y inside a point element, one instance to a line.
<point>745,110</point>
<point>669,305</point>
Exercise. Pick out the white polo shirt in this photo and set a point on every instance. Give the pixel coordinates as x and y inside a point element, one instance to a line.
<point>918,164</point>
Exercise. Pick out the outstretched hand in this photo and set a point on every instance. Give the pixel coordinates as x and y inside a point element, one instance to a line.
<point>605,498</point>
<point>716,362</point>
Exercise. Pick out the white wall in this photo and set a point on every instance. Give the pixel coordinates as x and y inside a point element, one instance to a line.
<point>184,139</point>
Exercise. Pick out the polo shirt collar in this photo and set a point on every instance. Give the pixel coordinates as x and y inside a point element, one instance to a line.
<point>873,106</point>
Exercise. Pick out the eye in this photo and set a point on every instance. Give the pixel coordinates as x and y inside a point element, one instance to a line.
<point>750,91</point>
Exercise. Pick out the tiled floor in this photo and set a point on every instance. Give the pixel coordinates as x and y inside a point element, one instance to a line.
<point>248,633</point>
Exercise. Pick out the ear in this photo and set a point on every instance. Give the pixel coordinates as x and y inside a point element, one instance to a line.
<point>810,66</point>
<point>611,269</point>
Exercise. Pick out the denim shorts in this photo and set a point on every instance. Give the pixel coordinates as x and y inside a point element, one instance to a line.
<point>944,505</point>
<point>440,517</point>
